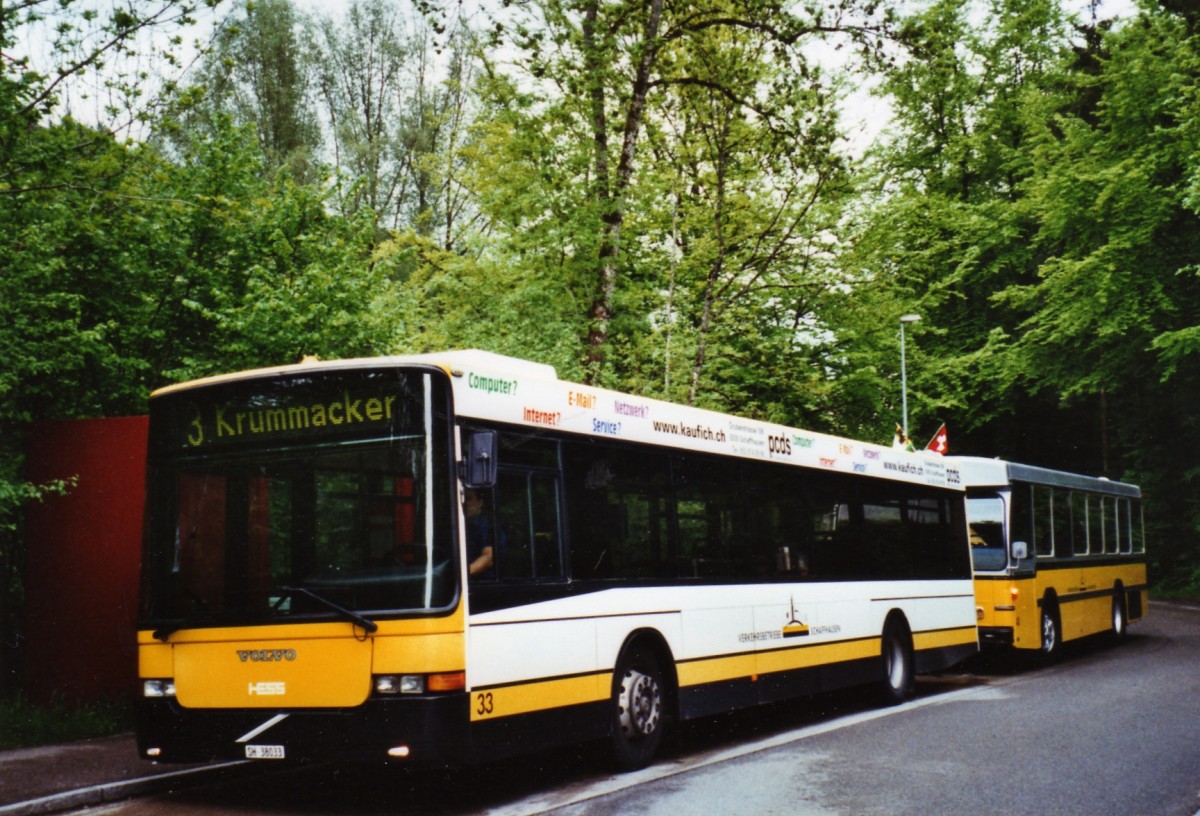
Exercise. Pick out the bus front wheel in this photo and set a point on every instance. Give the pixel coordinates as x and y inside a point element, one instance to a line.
<point>1051,631</point>
<point>637,709</point>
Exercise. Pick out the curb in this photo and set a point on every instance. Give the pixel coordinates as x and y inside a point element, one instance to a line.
<point>113,791</point>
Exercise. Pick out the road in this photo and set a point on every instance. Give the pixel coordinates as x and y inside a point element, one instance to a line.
<point>1104,731</point>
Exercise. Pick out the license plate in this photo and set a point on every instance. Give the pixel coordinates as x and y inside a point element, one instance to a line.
<point>264,752</point>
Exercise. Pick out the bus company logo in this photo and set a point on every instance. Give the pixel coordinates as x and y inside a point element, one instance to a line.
<point>794,627</point>
<point>266,655</point>
<point>781,445</point>
<point>267,688</point>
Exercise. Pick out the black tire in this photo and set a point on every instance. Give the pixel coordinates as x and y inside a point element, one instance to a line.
<point>1051,631</point>
<point>1120,619</point>
<point>896,683</point>
<point>638,709</point>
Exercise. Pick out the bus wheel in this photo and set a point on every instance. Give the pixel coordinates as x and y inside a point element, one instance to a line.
<point>896,685</point>
<point>1118,615</point>
<point>637,709</point>
<point>1051,631</point>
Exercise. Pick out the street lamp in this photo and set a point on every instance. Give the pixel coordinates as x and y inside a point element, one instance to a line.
<point>904,320</point>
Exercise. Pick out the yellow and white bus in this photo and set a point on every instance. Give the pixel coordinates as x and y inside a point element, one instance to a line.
<point>1057,556</point>
<point>455,557</point>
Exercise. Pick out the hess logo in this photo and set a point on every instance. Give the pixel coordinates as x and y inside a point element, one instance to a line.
<point>267,689</point>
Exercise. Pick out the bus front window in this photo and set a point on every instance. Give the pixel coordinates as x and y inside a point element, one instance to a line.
<point>985,517</point>
<point>299,523</point>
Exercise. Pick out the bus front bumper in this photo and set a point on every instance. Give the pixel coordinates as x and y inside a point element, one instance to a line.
<point>995,636</point>
<point>417,730</point>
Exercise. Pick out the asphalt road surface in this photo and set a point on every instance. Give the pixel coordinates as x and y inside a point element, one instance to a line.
<point>1106,730</point>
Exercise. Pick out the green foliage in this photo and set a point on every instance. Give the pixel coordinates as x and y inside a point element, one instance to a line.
<point>23,724</point>
<point>652,197</point>
<point>256,73</point>
<point>1038,213</point>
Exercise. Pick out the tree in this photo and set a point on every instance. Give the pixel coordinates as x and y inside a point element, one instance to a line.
<point>609,65</point>
<point>748,208</point>
<point>359,81</point>
<point>59,180</point>
<point>948,228</point>
<point>1038,210</point>
<point>1112,319</point>
<point>256,73</point>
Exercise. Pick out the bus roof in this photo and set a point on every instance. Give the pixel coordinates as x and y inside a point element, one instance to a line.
<point>981,472</point>
<point>495,388</point>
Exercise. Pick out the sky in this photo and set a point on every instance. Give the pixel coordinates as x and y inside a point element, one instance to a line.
<point>864,114</point>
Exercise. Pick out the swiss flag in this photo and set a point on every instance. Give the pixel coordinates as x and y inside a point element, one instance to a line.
<point>940,443</point>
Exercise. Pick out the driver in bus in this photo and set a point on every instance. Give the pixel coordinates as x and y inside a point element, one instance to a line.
<point>481,537</point>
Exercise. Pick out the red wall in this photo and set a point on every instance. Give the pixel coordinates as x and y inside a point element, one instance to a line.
<point>83,551</point>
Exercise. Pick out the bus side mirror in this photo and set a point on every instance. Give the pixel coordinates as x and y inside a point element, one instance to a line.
<point>1020,550</point>
<point>478,469</point>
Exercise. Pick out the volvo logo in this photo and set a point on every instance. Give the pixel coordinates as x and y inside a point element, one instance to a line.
<point>265,655</point>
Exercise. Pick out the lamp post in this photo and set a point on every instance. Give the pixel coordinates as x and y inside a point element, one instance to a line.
<point>904,320</point>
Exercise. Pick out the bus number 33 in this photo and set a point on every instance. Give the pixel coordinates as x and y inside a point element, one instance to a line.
<point>483,703</point>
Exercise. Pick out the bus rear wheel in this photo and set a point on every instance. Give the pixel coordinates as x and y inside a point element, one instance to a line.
<point>896,662</point>
<point>1119,620</point>
<point>638,709</point>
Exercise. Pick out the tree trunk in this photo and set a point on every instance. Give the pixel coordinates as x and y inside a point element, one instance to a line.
<point>612,198</point>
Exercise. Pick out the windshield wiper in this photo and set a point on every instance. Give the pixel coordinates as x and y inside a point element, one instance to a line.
<point>367,624</point>
<point>167,629</point>
<point>164,632</point>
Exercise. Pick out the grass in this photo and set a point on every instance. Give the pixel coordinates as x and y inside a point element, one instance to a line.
<point>24,725</point>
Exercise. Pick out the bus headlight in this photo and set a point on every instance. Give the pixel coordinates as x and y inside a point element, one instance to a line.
<point>164,687</point>
<point>399,684</point>
<point>389,684</point>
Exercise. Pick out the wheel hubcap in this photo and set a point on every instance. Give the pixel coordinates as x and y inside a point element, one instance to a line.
<point>640,704</point>
<point>895,665</point>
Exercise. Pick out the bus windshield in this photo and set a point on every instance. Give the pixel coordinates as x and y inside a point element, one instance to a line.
<point>299,497</point>
<point>985,518</point>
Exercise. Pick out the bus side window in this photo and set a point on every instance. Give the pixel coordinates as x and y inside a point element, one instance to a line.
<point>1043,537</point>
<point>1139,530</point>
<point>1110,524</point>
<point>1079,531</point>
<point>1061,510</point>
<point>618,500</point>
<point>837,528</point>
<point>709,507</point>
<point>1022,513</point>
<point>775,498</point>
<point>528,517</point>
<point>528,512</point>
<point>1095,515</point>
